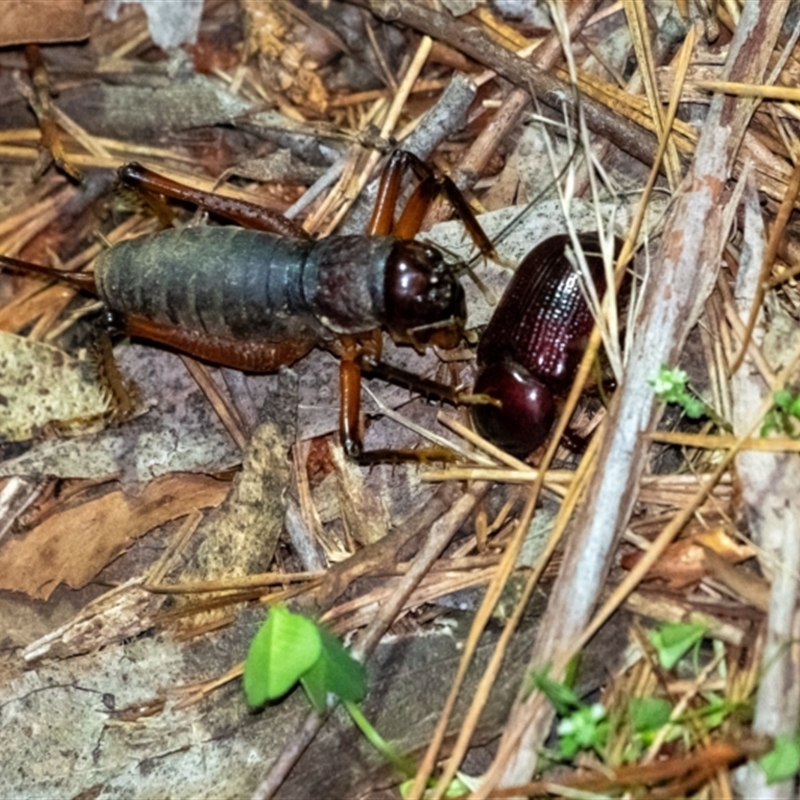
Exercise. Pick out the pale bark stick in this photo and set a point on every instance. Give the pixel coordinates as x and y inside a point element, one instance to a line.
<point>683,275</point>
<point>769,484</point>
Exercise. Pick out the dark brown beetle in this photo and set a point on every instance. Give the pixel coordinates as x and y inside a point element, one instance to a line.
<point>531,348</point>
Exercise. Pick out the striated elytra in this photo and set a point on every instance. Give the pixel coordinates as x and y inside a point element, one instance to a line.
<point>531,348</point>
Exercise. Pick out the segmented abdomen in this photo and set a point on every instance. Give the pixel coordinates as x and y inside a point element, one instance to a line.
<point>248,285</point>
<point>224,281</point>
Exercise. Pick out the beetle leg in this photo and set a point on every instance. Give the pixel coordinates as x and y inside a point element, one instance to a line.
<point>248,215</point>
<point>574,442</point>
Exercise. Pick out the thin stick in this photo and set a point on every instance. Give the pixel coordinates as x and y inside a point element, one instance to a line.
<point>782,217</point>
<point>476,439</point>
<point>637,23</point>
<point>235,584</point>
<point>779,444</point>
<point>749,90</point>
<point>672,301</point>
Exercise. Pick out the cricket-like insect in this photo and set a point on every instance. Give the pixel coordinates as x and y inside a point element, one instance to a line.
<point>256,300</point>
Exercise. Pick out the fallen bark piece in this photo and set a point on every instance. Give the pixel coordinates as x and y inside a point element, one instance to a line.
<point>42,386</point>
<point>768,484</point>
<point>122,613</point>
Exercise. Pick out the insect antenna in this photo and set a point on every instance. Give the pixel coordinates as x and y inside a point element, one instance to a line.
<point>461,267</point>
<point>524,211</point>
<point>80,280</point>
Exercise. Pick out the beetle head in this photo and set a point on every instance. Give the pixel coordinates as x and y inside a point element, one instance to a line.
<point>526,410</point>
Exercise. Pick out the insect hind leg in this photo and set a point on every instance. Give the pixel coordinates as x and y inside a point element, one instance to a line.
<point>245,355</point>
<point>244,213</point>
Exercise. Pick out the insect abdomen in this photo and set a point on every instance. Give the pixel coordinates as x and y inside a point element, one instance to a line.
<point>228,282</point>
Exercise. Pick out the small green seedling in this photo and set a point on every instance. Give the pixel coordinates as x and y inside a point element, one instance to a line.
<point>647,716</point>
<point>673,641</point>
<point>285,647</point>
<point>581,726</point>
<point>462,785</point>
<point>671,385</point>
<point>289,648</point>
<point>784,415</point>
<point>627,733</point>
<point>783,761</point>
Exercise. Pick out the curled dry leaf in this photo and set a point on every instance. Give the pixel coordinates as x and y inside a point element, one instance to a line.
<point>684,561</point>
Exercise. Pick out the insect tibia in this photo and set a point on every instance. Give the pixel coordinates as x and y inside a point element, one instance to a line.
<point>422,455</point>
<point>432,390</point>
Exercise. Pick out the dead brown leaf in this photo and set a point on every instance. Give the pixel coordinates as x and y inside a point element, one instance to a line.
<point>60,550</point>
<point>685,561</point>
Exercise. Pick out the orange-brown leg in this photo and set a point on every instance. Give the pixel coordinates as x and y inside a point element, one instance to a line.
<point>366,348</point>
<point>350,405</point>
<point>380,224</point>
<point>350,372</point>
<point>248,215</point>
<point>431,186</point>
<point>410,221</point>
<point>467,215</point>
<point>248,356</point>
<point>382,220</point>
